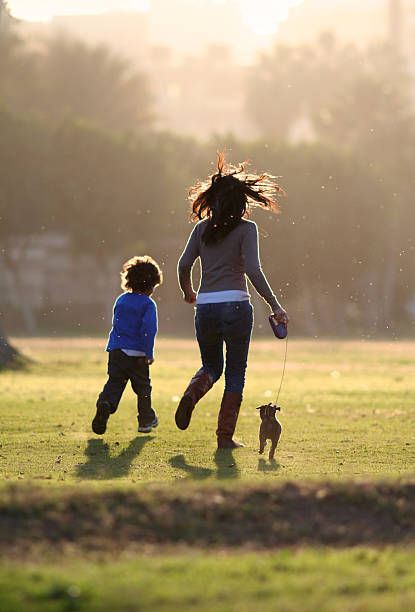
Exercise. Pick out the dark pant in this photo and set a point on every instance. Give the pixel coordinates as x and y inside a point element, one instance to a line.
<point>121,369</point>
<point>229,323</point>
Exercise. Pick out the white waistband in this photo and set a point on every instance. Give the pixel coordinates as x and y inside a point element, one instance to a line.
<point>133,353</point>
<point>233,295</point>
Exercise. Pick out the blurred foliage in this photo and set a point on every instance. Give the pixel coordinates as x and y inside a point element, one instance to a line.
<point>74,161</point>
<point>89,82</point>
<point>62,75</point>
<point>354,98</point>
<point>359,102</point>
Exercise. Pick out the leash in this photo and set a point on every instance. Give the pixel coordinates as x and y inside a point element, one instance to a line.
<point>283,370</point>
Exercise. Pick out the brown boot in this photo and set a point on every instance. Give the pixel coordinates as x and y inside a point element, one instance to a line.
<point>228,415</point>
<point>200,384</point>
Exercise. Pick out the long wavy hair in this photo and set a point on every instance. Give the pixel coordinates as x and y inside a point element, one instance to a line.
<point>228,195</point>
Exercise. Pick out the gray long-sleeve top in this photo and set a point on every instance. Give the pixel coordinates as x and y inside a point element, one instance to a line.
<point>225,264</point>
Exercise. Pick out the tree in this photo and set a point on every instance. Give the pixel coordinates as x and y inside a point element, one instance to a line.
<point>375,118</point>
<point>9,355</point>
<point>109,195</point>
<point>91,83</point>
<point>24,203</point>
<point>63,75</point>
<point>374,114</point>
<point>290,82</point>
<point>358,102</point>
<point>324,249</point>
<point>17,63</point>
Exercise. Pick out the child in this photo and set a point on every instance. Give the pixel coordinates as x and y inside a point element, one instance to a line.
<point>131,343</point>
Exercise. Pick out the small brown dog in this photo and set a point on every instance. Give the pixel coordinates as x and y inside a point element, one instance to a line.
<point>270,428</point>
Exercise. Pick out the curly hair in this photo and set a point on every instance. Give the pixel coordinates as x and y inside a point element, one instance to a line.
<point>141,274</point>
<point>228,195</point>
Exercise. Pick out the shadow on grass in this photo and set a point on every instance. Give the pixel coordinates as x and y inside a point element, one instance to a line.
<point>268,466</point>
<point>194,471</point>
<point>101,466</point>
<point>225,464</point>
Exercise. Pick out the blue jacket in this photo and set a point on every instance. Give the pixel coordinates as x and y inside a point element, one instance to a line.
<point>134,324</point>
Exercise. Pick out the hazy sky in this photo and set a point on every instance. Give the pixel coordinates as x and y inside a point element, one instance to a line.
<point>262,16</point>
<point>45,9</point>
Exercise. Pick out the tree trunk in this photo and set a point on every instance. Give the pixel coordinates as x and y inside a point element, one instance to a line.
<point>9,356</point>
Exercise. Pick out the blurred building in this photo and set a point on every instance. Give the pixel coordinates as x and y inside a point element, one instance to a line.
<point>196,53</point>
<point>200,94</point>
<point>47,285</point>
<point>189,53</point>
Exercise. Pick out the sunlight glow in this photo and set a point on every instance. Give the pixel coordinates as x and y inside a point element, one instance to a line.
<point>264,16</point>
<point>46,9</point>
<point>261,16</point>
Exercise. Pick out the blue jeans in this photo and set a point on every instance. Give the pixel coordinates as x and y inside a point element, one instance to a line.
<point>229,322</point>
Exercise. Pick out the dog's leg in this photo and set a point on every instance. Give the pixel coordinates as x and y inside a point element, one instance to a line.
<point>262,442</point>
<point>278,432</point>
<point>272,450</point>
<point>275,441</point>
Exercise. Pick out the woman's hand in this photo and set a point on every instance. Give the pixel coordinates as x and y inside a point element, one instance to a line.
<point>149,360</point>
<point>281,316</point>
<point>190,297</point>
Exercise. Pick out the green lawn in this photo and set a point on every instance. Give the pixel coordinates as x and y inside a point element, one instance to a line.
<point>348,411</point>
<point>94,523</point>
<point>361,580</point>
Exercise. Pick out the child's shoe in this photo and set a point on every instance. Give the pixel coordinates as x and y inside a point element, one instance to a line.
<point>149,427</point>
<point>99,423</point>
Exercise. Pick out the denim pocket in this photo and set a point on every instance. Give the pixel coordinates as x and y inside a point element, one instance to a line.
<point>238,322</point>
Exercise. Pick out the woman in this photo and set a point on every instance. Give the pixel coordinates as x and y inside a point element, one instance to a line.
<point>227,245</point>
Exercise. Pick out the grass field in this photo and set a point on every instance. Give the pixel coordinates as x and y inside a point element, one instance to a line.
<point>328,581</point>
<point>348,411</point>
<point>348,415</point>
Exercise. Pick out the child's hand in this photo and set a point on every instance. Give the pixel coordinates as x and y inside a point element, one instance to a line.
<point>149,360</point>
<point>190,298</point>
